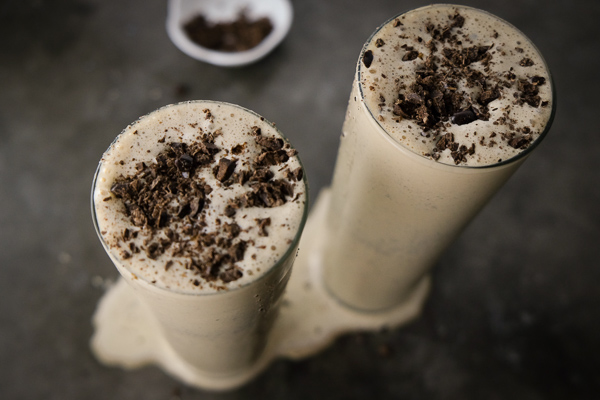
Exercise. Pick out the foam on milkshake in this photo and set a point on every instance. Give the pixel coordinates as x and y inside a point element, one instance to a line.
<point>457,85</point>
<point>242,215</point>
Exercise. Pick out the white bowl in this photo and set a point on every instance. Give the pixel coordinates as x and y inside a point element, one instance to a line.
<point>182,11</point>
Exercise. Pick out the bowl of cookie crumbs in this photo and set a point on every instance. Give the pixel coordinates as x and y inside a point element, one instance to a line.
<point>228,33</point>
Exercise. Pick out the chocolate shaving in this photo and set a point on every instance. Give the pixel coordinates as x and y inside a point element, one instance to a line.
<point>267,194</point>
<point>232,230</point>
<point>526,62</point>
<point>445,142</point>
<point>224,169</point>
<point>262,226</point>
<point>295,175</point>
<point>237,250</point>
<point>184,163</point>
<point>269,143</point>
<point>410,55</point>
<point>231,274</point>
<point>519,143</point>
<point>367,58</point>
<point>488,96</point>
<point>528,93</point>
<point>261,174</point>
<point>268,158</point>
<point>538,80</point>
<point>464,117</point>
<point>238,149</point>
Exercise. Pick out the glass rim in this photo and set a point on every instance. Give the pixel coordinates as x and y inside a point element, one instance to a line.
<point>291,247</point>
<point>523,154</point>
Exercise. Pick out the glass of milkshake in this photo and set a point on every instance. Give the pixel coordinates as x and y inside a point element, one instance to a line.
<point>200,205</point>
<point>447,102</point>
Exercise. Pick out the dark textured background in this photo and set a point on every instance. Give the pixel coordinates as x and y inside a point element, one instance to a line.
<point>515,307</point>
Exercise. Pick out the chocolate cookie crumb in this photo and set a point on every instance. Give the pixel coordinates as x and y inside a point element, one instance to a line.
<point>231,274</point>
<point>262,226</point>
<point>464,117</point>
<point>224,169</point>
<point>232,230</point>
<point>367,58</point>
<point>410,55</point>
<point>296,174</point>
<point>519,143</point>
<point>526,62</point>
<point>268,143</point>
<point>538,80</point>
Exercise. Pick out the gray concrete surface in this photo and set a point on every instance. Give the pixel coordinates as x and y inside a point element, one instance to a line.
<point>515,308</point>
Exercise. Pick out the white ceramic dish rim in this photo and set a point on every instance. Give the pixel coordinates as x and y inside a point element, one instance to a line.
<point>280,12</point>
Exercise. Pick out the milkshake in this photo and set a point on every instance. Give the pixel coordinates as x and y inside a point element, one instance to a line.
<point>446,104</point>
<point>200,205</point>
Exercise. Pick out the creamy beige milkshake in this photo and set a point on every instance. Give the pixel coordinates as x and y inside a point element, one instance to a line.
<point>446,104</point>
<point>200,205</point>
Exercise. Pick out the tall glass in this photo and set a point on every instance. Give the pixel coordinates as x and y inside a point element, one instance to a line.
<point>217,332</point>
<point>393,211</point>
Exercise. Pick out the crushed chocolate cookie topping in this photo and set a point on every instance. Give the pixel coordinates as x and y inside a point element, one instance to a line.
<point>454,84</point>
<point>440,33</point>
<point>458,152</point>
<point>167,201</point>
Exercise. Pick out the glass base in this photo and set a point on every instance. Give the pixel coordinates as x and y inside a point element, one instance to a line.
<point>126,334</point>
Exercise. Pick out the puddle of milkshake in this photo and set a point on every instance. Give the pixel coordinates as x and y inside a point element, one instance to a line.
<point>446,104</point>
